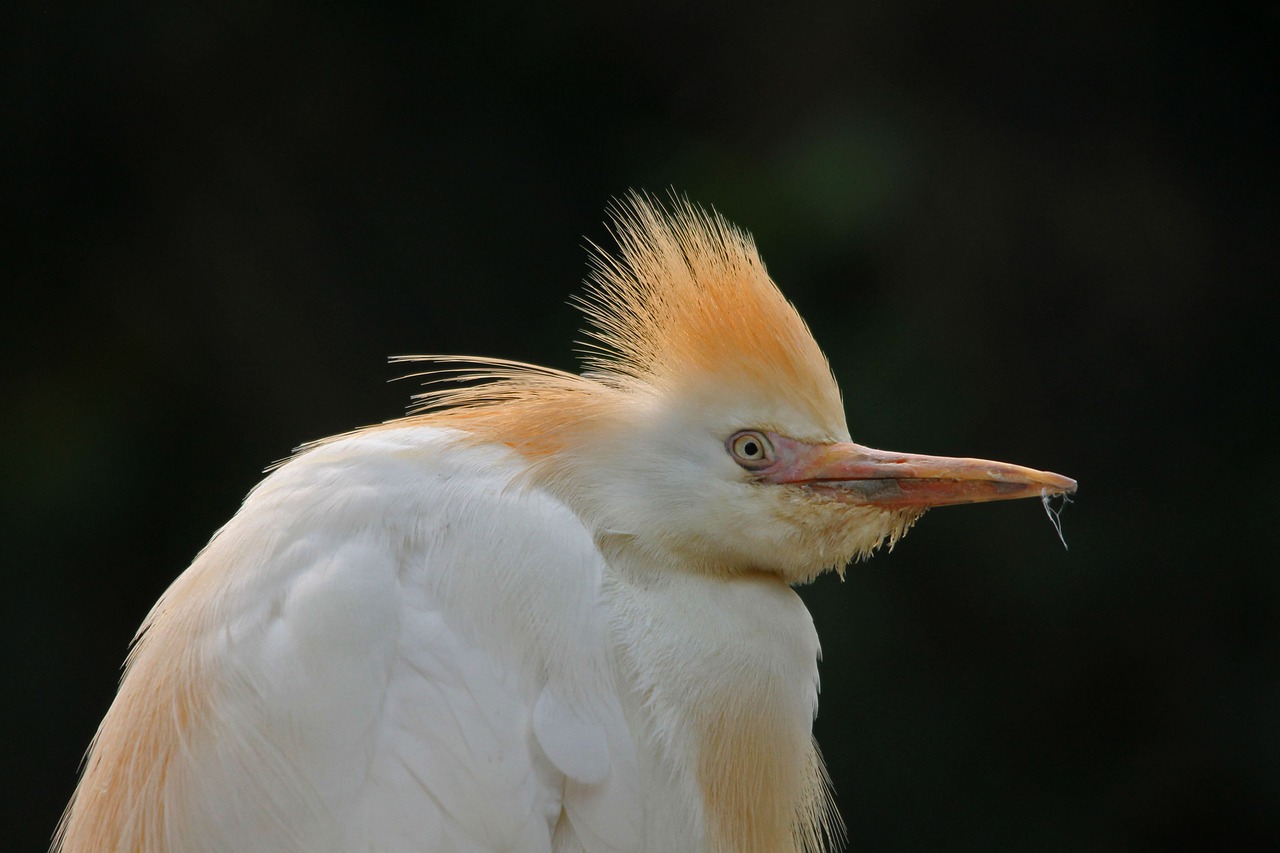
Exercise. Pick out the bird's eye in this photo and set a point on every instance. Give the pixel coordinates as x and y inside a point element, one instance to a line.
<point>750,449</point>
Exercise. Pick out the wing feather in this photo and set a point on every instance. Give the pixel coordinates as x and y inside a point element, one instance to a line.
<point>396,645</point>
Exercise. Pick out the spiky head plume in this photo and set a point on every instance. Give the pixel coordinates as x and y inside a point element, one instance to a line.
<point>685,305</point>
<point>688,299</point>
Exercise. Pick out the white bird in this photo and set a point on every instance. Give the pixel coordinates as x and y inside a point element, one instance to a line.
<point>546,612</point>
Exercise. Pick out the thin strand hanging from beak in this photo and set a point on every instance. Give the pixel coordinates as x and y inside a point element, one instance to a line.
<point>1055,515</point>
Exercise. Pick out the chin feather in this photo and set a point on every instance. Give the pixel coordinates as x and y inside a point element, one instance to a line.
<point>868,532</point>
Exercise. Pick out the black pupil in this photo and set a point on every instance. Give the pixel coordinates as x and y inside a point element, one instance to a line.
<point>750,449</point>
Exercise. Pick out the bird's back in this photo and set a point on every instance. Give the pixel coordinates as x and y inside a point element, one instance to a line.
<point>396,644</point>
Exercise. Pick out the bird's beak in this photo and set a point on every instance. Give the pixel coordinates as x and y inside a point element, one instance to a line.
<point>860,475</point>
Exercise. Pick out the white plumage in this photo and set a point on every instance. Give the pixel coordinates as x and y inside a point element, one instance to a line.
<point>392,652</point>
<point>551,613</point>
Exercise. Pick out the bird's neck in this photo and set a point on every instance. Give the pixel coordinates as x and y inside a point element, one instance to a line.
<point>727,670</point>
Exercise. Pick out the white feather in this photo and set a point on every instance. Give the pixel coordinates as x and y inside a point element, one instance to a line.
<point>403,641</point>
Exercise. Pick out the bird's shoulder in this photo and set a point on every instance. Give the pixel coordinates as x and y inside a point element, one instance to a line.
<point>397,643</point>
<point>481,620</point>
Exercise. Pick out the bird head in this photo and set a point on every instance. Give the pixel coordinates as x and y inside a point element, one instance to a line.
<point>706,429</point>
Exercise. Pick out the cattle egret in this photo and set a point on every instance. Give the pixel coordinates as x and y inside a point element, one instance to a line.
<point>544,612</point>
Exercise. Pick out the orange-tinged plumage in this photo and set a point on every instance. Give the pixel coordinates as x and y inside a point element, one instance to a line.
<point>686,308</point>
<point>544,611</point>
<point>688,302</point>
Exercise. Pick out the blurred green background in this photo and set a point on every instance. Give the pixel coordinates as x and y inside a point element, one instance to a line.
<point>1042,232</point>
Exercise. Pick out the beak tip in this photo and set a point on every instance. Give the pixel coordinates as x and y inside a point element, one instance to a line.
<point>1060,485</point>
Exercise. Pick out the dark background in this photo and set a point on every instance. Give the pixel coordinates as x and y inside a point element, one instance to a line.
<point>1042,232</point>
